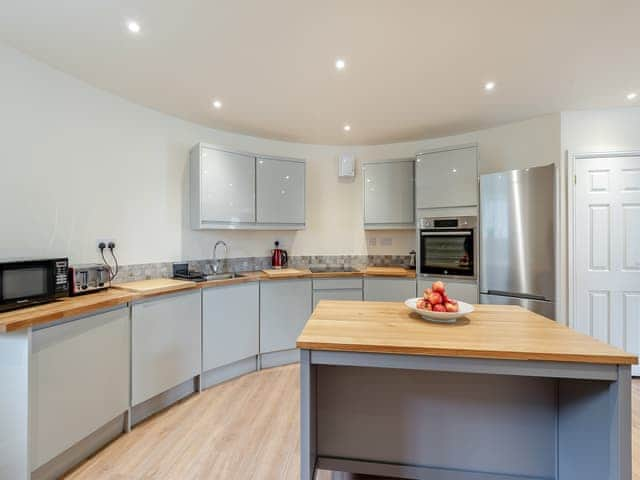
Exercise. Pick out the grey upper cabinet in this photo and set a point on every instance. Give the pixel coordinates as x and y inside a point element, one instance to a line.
<point>389,195</point>
<point>285,307</point>
<point>236,190</point>
<point>229,324</point>
<point>165,343</point>
<point>447,178</point>
<point>280,191</point>
<point>222,188</point>
<point>79,380</point>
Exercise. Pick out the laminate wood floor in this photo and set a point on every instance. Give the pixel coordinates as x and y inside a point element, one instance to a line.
<point>245,429</point>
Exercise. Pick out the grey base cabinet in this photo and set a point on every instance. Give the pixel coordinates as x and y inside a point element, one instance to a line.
<point>166,343</point>
<point>389,289</point>
<point>285,307</point>
<point>230,324</point>
<point>336,289</point>
<point>79,380</point>
<point>464,290</point>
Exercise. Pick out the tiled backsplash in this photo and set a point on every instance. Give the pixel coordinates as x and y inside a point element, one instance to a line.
<point>145,271</point>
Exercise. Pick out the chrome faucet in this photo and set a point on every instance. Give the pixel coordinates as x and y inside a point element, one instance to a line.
<point>216,261</point>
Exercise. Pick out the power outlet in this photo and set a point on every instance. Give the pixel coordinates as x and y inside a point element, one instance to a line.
<point>386,241</point>
<point>106,242</point>
<point>372,241</point>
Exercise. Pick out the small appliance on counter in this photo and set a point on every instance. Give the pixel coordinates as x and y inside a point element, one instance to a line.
<point>27,282</point>
<point>412,260</point>
<point>88,278</point>
<point>181,272</point>
<point>279,257</point>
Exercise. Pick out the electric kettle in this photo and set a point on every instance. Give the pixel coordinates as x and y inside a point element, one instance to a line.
<point>279,257</point>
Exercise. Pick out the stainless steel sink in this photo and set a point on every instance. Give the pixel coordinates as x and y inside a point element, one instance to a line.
<point>222,276</point>
<point>331,269</point>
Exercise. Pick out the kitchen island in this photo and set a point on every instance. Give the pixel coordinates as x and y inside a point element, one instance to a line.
<point>503,394</point>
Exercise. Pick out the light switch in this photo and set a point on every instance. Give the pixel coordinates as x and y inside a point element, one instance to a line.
<point>386,241</point>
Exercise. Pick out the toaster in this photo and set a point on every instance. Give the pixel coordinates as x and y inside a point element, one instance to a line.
<point>88,278</point>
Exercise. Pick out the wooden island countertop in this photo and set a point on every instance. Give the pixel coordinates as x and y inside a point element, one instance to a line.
<point>490,332</point>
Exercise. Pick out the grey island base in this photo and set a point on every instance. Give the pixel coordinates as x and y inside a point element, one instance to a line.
<point>462,416</point>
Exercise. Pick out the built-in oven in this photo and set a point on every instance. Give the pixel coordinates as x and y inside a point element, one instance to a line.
<point>27,282</point>
<point>448,246</point>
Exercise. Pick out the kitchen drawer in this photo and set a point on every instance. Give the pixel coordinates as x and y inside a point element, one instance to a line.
<point>336,283</point>
<point>382,289</point>
<point>354,294</point>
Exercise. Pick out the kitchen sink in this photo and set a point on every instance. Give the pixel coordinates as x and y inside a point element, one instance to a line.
<point>222,276</point>
<point>331,269</point>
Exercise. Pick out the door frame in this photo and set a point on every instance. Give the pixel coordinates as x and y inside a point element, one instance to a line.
<point>571,219</point>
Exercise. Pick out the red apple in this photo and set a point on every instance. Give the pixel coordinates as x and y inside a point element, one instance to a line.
<point>435,299</point>
<point>427,292</point>
<point>428,306</point>
<point>445,299</point>
<point>438,286</point>
<point>422,304</point>
<point>439,308</point>
<point>450,307</point>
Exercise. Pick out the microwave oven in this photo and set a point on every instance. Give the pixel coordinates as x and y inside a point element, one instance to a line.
<point>27,282</point>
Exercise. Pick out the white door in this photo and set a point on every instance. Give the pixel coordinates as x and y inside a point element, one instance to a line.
<point>607,250</point>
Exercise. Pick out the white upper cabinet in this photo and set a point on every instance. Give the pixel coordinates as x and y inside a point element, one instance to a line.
<point>280,191</point>
<point>447,178</point>
<point>238,190</point>
<point>388,194</point>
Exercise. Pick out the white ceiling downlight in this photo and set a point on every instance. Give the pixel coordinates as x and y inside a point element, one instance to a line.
<point>217,104</point>
<point>133,26</point>
<point>490,86</point>
<point>340,64</point>
<point>347,128</point>
<point>632,96</point>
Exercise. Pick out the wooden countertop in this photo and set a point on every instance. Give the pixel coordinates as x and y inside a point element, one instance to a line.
<point>127,292</point>
<point>491,332</point>
<point>63,308</point>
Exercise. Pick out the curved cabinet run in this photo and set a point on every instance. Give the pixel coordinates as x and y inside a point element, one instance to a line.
<point>229,324</point>
<point>79,380</point>
<point>166,343</point>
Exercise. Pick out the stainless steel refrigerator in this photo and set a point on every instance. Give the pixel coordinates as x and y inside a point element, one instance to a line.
<point>517,239</point>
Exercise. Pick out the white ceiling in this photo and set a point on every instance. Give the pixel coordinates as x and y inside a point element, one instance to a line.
<point>415,68</point>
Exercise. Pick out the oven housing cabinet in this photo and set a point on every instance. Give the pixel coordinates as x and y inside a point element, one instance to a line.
<point>449,247</point>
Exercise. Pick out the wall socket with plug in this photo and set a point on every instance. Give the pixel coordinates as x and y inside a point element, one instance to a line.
<point>105,242</point>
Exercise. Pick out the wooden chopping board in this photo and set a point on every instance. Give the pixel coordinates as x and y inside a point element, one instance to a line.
<point>144,286</point>
<point>283,272</point>
<point>387,271</point>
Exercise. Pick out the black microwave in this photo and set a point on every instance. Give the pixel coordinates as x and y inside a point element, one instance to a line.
<point>27,282</point>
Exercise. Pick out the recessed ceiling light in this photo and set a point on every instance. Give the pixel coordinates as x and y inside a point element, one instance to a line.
<point>632,96</point>
<point>134,27</point>
<point>489,86</point>
<point>217,104</point>
<point>347,128</point>
<point>340,64</point>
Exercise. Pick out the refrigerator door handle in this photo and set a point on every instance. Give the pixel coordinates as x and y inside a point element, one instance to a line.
<point>526,296</point>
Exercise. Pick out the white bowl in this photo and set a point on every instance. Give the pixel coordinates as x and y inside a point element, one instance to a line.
<point>440,317</point>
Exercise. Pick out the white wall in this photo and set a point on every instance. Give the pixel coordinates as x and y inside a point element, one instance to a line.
<point>79,164</point>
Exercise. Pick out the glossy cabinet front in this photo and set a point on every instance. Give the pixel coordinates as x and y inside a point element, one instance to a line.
<point>389,194</point>
<point>285,307</point>
<point>227,187</point>
<point>447,178</point>
<point>385,289</point>
<point>79,380</point>
<point>166,343</point>
<point>229,324</point>
<point>280,191</point>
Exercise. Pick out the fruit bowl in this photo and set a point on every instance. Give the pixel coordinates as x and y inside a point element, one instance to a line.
<point>440,317</point>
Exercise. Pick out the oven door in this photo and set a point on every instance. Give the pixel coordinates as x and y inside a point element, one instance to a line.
<point>447,252</point>
<point>26,283</point>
